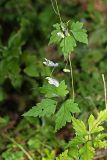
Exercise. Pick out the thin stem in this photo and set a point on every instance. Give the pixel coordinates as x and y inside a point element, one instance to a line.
<point>105,90</point>
<point>71,72</point>
<point>23,150</point>
<point>19,146</point>
<point>52,71</point>
<point>54,7</point>
<point>58,10</point>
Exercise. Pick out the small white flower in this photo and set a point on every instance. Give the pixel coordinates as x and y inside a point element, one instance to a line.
<point>66,70</point>
<point>53,81</point>
<point>50,63</point>
<point>60,34</point>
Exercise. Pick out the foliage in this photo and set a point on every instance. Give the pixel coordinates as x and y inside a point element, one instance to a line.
<point>85,140</point>
<point>66,36</point>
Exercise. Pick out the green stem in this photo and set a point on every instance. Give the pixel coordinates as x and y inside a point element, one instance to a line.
<point>54,7</point>
<point>52,71</point>
<point>72,79</point>
<point>105,90</point>
<point>58,11</point>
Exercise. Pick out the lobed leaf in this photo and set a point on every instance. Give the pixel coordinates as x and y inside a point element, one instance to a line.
<point>52,91</point>
<point>76,141</point>
<point>79,33</point>
<point>46,107</point>
<point>94,124</point>
<point>87,152</point>
<point>63,156</point>
<point>79,127</point>
<point>62,89</point>
<point>54,38</point>
<point>67,44</point>
<point>64,114</point>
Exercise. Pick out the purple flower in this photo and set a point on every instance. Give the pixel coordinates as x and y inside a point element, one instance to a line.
<point>53,81</point>
<point>50,63</point>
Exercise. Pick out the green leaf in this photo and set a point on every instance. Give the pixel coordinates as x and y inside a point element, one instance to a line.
<point>62,35</point>
<point>46,107</point>
<point>76,141</point>
<point>31,65</point>
<point>67,45</point>
<point>87,152</point>
<point>28,59</point>
<point>8,155</point>
<point>64,114</point>
<point>62,89</point>
<point>14,73</point>
<point>98,129</point>
<point>91,121</point>
<point>63,156</point>
<point>74,153</point>
<point>15,40</point>
<point>31,71</point>
<point>102,116</point>
<point>78,32</point>
<point>101,135</point>
<point>79,127</point>
<point>54,37</point>
<point>16,80</point>
<point>34,143</point>
<point>99,143</point>
<point>13,67</point>
<point>94,124</point>
<point>52,91</point>
<point>57,26</point>
<point>48,90</point>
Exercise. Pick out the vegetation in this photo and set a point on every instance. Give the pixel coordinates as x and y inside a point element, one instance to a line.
<point>53,57</point>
